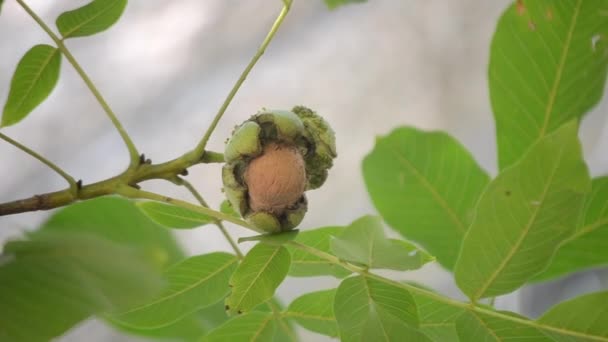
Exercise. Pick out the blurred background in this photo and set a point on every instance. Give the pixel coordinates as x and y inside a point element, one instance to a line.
<point>166,67</point>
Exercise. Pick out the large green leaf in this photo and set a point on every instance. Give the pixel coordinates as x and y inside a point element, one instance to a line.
<point>194,283</point>
<point>34,79</point>
<point>315,311</point>
<point>250,327</point>
<point>587,315</point>
<point>304,264</point>
<point>257,277</point>
<point>369,310</point>
<point>425,185</point>
<point>585,248</point>
<point>173,216</point>
<point>55,280</point>
<point>523,217</point>
<point>475,326</point>
<point>364,243</point>
<point>119,220</point>
<point>547,67</point>
<point>95,17</point>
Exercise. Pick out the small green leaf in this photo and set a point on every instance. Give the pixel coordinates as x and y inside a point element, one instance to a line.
<point>315,312</point>
<point>586,248</point>
<point>437,319</point>
<point>257,277</point>
<point>250,327</point>
<point>524,216</point>
<point>587,315</point>
<point>364,242</point>
<point>173,216</point>
<point>304,264</point>
<point>194,283</point>
<point>227,208</point>
<point>119,220</point>
<point>55,280</point>
<point>475,326</point>
<point>34,79</point>
<point>425,185</point>
<point>278,239</point>
<point>369,310</point>
<point>95,17</point>
<point>332,4</point>
<point>547,66</point>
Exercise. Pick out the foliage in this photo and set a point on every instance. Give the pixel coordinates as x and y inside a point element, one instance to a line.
<point>540,218</point>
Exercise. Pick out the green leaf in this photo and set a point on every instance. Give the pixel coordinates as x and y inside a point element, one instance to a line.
<point>425,185</point>
<point>547,67</point>
<point>524,216</point>
<point>587,315</point>
<point>364,243</point>
<point>475,326</point>
<point>227,208</point>
<point>187,329</point>
<point>55,280</point>
<point>370,310</point>
<point>257,277</point>
<point>173,216</point>
<point>304,264</point>
<point>194,283</point>
<point>314,311</point>
<point>437,319</point>
<point>95,17</point>
<point>250,327</point>
<point>332,4</point>
<point>118,220</point>
<point>34,79</point>
<point>586,248</point>
<point>278,239</point>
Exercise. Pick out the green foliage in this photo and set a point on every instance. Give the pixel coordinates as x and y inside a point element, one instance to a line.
<point>437,318</point>
<point>474,326</point>
<point>194,283</point>
<point>369,310</point>
<point>251,327</point>
<point>257,277</point>
<point>80,275</point>
<point>547,67</point>
<point>278,239</point>
<point>524,216</point>
<point>304,264</point>
<point>34,79</point>
<point>585,248</point>
<point>332,4</point>
<point>425,185</point>
<point>587,315</point>
<point>364,243</point>
<point>314,311</point>
<point>95,17</point>
<point>173,216</point>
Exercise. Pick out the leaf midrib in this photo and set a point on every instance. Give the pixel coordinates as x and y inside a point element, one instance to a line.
<point>438,198</point>
<point>559,71</point>
<point>523,234</point>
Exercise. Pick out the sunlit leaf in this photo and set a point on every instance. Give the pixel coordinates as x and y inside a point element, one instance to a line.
<point>257,277</point>
<point>173,216</point>
<point>304,264</point>
<point>55,280</point>
<point>95,17</point>
<point>425,185</point>
<point>524,216</point>
<point>250,327</point>
<point>34,79</point>
<point>194,283</point>
<point>586,248</point>
<point>587,315</point>
<point>364,243</point>
<point>369,310</point>
<point>315,311</point>
<point>547,67</point>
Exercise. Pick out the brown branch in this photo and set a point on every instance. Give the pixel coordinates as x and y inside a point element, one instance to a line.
<point>145,171</point>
